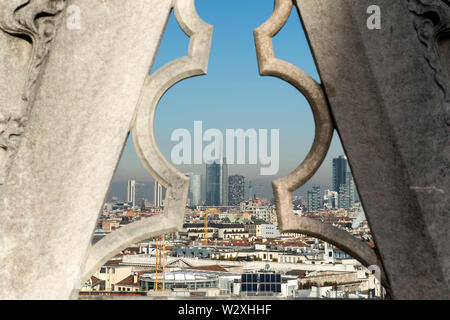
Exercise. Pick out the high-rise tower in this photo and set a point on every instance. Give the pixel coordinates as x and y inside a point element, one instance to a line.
<point>224,183</point>
<point>217,183</point>
<point>195,188</point>
<point>314,200</point>
<point>213,183</point>
<point>346,198</point>
<point>158,195</point>
<point>339,172</point>
<point>131,192</point>
<point>139,193</point>
<point>236,190</point>
<point>343,183</point>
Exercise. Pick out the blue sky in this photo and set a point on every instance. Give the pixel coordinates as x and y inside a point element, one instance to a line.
<point>233,95</point>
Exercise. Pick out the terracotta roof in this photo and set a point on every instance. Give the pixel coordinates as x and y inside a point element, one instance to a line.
<point>197,294</point>
<point>128,281</point>
<point>95,281</point>
<point>209,268</point>
<point>243,242</point>
<point>131,249</point>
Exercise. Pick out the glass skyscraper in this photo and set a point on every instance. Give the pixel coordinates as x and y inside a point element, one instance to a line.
<point>339,172</point>
<point>216,183</point>
<point>346,198</point>
<point>139,193</point>
<point>159,194</point>
<point>213,183</point>
<point>131,192</point>
<point>195,188</point>
<point>343,183</point>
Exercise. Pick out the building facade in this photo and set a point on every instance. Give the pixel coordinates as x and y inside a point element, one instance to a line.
<point>339,172</point>
<point>314,200</point>
<point>343,183</point>
<point>139,194</point>
<point>224,183</point>
<point>236,190</point>
<point>159,193</point>
<point>213,183</point>
<point>195,188</point>
<point>131,192</point>
<point>331,199</point>
<point>346,197</point>
<point>188,280</point>
<point>217,183</point>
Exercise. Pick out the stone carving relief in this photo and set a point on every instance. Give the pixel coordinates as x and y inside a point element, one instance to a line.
<point>432,22</point>
<point>36,21</point>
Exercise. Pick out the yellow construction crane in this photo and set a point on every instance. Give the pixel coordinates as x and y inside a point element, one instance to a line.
<point>205,221</point>
<point>162,262</point>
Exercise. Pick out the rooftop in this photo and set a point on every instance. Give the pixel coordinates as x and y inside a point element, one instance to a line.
<point>178,276</point>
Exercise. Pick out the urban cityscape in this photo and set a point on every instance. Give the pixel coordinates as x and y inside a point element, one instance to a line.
<point>225,158</point>
<point>230,245</point>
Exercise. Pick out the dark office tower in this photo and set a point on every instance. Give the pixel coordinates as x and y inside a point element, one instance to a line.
<point>314,200</point>
<point>236,190</point>
<point>343,183</point>
<point>139,193</point>
<point>213,183</point>
<point>346,198</point>
<point>339,172</point>
<point>224,183</point>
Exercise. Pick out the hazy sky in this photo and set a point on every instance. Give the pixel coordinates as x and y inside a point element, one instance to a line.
<point>233,95</point>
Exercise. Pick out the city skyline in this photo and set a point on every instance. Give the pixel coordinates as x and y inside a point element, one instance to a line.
<point>233,95</point>
<point>340,179</point>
